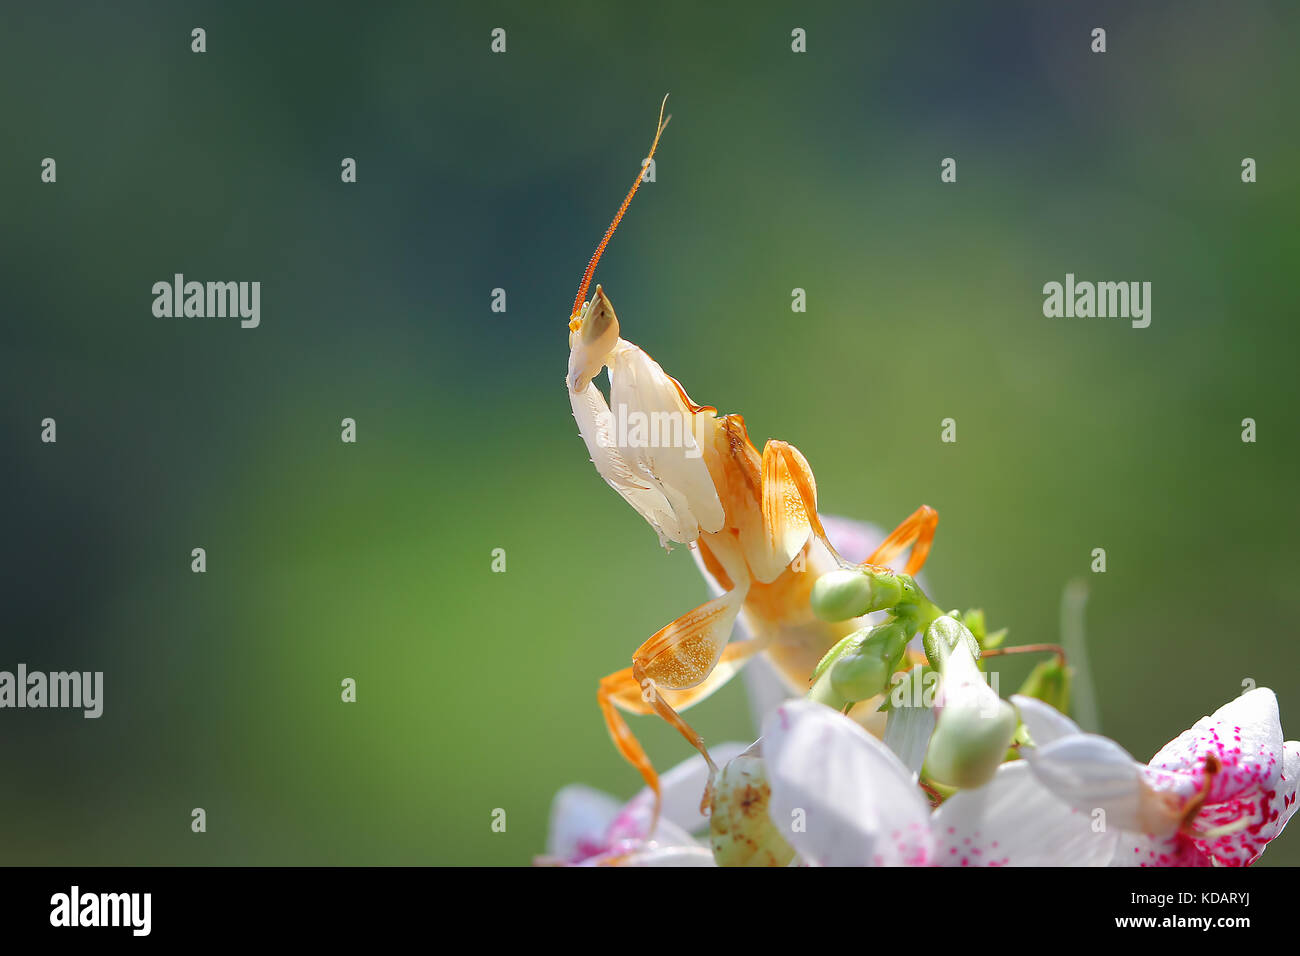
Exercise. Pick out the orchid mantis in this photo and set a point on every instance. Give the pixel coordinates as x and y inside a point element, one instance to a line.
<point>750,518</point>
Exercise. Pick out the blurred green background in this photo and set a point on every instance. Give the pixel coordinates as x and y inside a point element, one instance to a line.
<point>478,171</point>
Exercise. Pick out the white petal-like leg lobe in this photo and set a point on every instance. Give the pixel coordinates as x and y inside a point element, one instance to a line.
<point>1044,722</point>
<point>1245,735</point>
<point>1139,849</point>
<point>839,796</point>
<point>662,439</point>
<point>1090,772</point>
<point>593,418</point>
<point>1015,821</point>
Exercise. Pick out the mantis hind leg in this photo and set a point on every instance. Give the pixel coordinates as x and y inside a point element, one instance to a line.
<point>635,691</point>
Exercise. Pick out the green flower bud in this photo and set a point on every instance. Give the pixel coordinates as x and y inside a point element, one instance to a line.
<point>860,677</point>
<point>840,595</point>
<point>848,592</point>
<point>864,667</point>
<point>1050,683</point>
<point>943,636</point>
<point>970,741</point>
<point>974,726</point>
<point>740,829</point>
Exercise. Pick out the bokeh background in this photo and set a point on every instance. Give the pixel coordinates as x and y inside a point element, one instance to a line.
<point>478,171</point>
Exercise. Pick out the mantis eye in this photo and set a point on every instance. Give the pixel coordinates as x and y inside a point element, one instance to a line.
<point>592,342</point>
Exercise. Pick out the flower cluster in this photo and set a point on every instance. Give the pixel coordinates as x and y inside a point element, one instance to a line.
<point>959,777</point>
<point>818,789</point>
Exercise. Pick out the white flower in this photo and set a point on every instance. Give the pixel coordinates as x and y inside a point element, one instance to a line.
<point>842,798</point>
<point>1216,794</point>
<point>591,828</point>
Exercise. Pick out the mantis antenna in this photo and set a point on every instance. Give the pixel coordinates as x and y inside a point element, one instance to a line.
<point>574,318</point>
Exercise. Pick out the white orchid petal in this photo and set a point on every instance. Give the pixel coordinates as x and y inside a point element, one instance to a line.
<point>1015,821</point>
<point>1090,772</point>
<point>839,796</point>
<point>667,856</point>
<point>682,787</point>
<point>907,734</point>
<point>1044,722</point>
<point>1245,735</point>
<point>580,816</point>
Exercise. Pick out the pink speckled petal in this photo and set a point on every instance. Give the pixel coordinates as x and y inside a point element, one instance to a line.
<point>1015,821</point>
<point>1138,849</point>
<point>1044,722</point>
<point>840,796</point>
<point>1236,831</point>
<point>1246,736</point>
<point>1283,802</point>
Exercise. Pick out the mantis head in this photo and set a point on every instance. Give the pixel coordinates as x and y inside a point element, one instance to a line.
<point>592,341</point>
